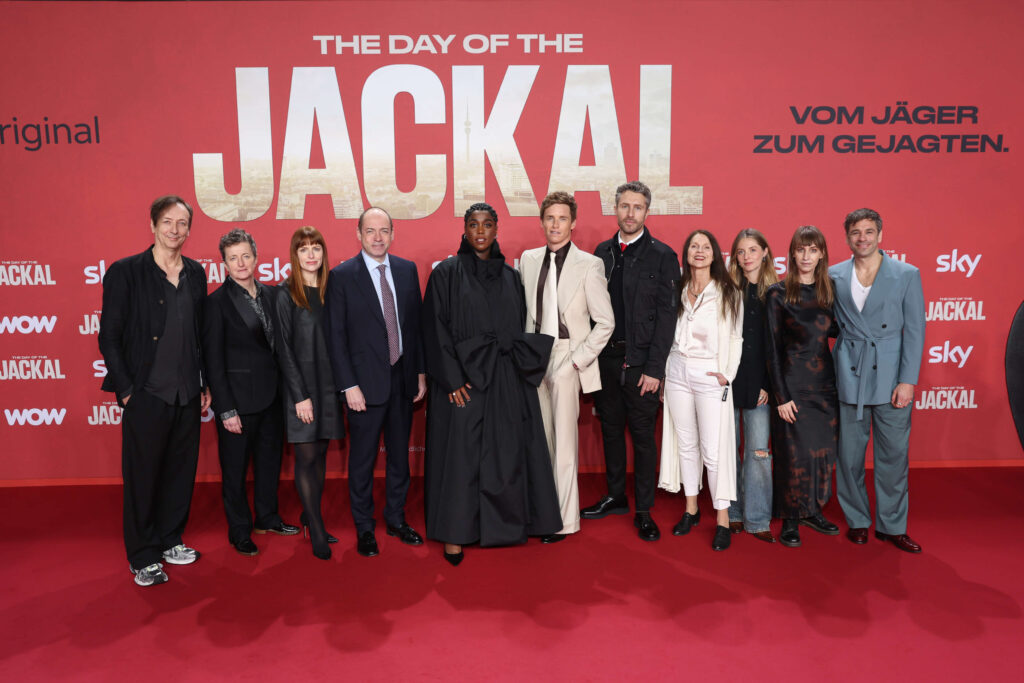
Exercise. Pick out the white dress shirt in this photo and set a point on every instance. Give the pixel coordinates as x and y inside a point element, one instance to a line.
<point>697,327</point>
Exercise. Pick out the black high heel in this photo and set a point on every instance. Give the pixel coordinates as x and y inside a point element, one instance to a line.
<point>454,558</point>
<point>322,552</point>
<point>305,529</point>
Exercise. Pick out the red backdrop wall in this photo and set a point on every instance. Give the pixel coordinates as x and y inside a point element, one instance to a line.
<point>275,115</point>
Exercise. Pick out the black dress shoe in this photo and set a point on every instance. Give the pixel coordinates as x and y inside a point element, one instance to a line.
<point>723,537</point>
<point>790,536</point>
<point>821,525</point>
<point>646,529</point>
<point>246,547</point>
<point>367,545</point>
<point>552,538</point>
<point>606,506</point>
<point>281,529</point>
<point>858,535</point>
<point>454,558</point>
<point>406,534</point>
<point>901,541</point>
<point>686,523</point>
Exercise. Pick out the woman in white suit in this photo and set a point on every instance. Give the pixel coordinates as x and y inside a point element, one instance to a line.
<point>699,430</point>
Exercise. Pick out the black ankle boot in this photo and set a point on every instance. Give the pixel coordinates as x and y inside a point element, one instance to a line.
<point>790,535</point>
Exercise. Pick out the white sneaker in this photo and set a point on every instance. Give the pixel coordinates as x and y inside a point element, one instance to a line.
<point>181,554</point>
<point>148,576</point>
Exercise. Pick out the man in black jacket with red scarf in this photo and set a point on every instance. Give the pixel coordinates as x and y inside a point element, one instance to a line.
<point>150,339</point>
<point>642,275</point>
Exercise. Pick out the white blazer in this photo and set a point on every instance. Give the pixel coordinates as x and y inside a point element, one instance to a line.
<point>582,297</point>
<point>730,347</point>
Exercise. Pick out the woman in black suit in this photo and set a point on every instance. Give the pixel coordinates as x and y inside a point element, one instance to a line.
<point>242,372</point>
<point>313,414</point>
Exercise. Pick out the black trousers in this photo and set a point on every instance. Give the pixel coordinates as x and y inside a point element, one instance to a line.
<point>262,439</point>
<point>394,419</point>
<point>159,454</point>
<point>619,404</point>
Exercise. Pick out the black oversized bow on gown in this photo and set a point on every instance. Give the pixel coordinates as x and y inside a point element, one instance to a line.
<point>488,471</point>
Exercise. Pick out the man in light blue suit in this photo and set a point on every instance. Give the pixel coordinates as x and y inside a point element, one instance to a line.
<point>880,310</point>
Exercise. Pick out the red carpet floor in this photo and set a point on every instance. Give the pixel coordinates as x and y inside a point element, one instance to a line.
<point>602,605</point>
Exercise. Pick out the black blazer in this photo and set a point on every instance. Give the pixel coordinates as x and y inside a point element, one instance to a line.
<point>358,339</point>
<point>241,367</point>
<point>133,319</point>
<point>649,278</point>
<point>752,374</point>
<point>305,371</point>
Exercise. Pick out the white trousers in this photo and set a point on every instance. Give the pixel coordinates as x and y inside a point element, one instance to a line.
<point>695,399</point>
<point>560,406</point>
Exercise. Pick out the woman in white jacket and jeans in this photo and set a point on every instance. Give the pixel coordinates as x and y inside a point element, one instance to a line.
<point>699,430</point>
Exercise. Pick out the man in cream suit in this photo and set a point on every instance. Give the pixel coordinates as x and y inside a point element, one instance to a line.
<point>880,310</point>
<point>565,291</point>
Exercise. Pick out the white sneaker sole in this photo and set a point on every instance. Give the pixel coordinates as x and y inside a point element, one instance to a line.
<point>158,579</point>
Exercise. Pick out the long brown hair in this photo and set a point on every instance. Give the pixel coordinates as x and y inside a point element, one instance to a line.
<point>805,236</point>
<point>307,234</point>
<point>719,274</point>
<point>766,277</point>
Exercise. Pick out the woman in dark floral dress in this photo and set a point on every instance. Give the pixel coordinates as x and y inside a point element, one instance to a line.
<point>805,425</point>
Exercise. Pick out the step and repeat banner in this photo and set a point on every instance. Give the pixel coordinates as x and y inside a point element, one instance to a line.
<point>273,115</point>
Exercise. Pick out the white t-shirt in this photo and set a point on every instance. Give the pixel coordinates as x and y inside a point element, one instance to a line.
<point>858,291</point>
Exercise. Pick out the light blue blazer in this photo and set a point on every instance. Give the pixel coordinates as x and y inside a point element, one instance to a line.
<point>882,345</point>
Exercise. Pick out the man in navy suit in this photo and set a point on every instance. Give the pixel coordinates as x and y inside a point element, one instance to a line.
<point>373,320</point>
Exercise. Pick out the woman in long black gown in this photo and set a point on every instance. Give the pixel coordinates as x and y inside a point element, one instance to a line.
<point>313,414</point>
<point>488,475</point>
<point>805,427</point>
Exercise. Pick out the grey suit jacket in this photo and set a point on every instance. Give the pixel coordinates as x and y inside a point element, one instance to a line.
<point>882,345</point>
